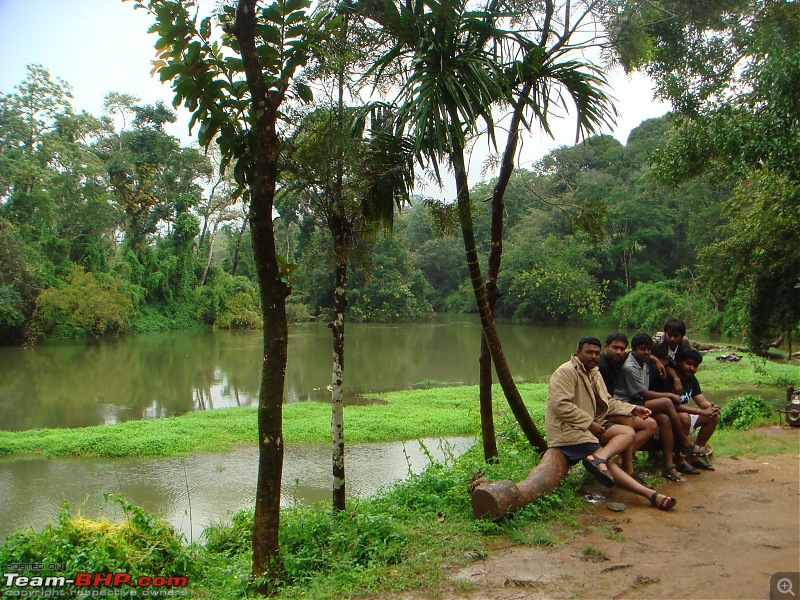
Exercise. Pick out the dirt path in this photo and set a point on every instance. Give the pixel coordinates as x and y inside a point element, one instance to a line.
<point>731,530</point>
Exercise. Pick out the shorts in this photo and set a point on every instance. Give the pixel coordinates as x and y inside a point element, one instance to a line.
<point>577,452</point>
<point>692,427</point>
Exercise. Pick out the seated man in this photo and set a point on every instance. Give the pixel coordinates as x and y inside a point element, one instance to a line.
<point>610,367</point>
<point>668,347</point>
<point>701,420</point>
<point>634,387</point>
<point>575,420</point>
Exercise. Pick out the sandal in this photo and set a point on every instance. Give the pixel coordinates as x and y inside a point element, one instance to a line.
<point>672,474</point>
<point>666,504</point>
<point>701,463</point>
<point>689,469</point>
<point>592,464</point>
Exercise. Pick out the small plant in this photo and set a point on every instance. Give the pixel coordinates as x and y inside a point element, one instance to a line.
<point>592,553</point>
<point>745,412</point>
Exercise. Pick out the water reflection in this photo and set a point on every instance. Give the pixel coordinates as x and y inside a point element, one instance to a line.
<point>195,491</point>
<point>91,382</point>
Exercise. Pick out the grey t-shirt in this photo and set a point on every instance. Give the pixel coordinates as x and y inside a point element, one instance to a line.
<point>632,381</point>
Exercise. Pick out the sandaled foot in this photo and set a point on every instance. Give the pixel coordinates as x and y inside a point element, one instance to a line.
<point>700,463</point>
<point>599,469</point>
<point>667,502</point>
<point>688,469</point>
<point>672,474</point>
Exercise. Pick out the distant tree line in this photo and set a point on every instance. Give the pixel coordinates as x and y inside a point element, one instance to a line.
<point>107,226</point>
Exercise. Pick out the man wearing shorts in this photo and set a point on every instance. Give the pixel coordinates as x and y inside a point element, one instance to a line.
<point>576,422</point>
<point>701,419</point>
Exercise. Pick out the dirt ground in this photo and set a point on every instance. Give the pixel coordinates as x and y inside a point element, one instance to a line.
<point>730,531</point>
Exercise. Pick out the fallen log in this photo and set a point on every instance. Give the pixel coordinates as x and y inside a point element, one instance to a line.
<point>496,500</point>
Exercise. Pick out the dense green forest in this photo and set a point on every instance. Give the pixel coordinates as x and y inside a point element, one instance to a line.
<point>108,226</point>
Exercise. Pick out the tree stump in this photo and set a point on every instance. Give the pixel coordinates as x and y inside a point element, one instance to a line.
<point>496,500</point>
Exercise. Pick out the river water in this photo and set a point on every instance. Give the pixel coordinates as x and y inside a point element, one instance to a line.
<point>80,383</point>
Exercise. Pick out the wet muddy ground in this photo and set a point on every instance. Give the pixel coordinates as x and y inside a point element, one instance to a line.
<point>731,530</point>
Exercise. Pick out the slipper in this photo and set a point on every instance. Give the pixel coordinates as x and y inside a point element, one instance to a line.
<point>700,463</point>
<point>666,504</point>
<point>592,464</point>
<point>688,469</point>
<point>672,474</point>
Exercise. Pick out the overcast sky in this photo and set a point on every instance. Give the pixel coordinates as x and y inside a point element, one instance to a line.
<point>99,46</point>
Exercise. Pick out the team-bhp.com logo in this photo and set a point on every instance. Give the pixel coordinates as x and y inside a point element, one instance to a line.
<point>16,584</point>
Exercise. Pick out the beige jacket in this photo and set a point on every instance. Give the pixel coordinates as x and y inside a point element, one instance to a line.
<point>574,400</point>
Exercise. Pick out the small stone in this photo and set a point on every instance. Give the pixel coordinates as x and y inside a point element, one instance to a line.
<point>616,506</point>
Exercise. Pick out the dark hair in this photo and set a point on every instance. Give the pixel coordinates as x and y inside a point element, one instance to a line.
<point>616,337</point>
<point>641,339</point>
<point>592,341</point>
<point>675,326</point>
<point>691,354</point>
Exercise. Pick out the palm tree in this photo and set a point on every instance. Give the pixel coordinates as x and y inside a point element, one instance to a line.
<point>457,73</point>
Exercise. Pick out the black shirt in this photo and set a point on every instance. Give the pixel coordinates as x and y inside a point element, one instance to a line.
<point>610,372</point>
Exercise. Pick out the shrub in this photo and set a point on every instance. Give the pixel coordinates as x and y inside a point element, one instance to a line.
<point>95,304</point>
<point>141,545</point>
<point>745,412</point>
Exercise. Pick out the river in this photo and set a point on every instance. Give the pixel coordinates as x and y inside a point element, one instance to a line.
<point>90,382</point>
<point>77,383</point>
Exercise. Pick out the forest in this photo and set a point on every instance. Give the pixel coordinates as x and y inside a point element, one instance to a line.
<point>108,226</point>
<point>316,120</point>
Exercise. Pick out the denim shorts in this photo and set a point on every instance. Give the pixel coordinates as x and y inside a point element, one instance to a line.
<point>577,452</point>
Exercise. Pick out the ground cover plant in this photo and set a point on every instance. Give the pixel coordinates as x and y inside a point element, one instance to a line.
<point>402,415</point>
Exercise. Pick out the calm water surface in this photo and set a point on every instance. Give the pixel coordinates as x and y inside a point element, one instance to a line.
<point>80,383</point>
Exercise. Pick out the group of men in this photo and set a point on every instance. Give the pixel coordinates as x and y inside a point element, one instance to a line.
<point>608,401</point>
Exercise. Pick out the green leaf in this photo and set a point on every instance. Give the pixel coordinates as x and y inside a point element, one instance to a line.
<point>305,93</point>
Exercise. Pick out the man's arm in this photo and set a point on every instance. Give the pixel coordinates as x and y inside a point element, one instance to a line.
<point>651,395</point>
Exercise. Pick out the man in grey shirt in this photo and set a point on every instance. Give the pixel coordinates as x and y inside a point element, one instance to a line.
<point>633,387</point>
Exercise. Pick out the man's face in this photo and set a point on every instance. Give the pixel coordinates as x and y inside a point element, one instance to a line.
<point>688,367</point>
<point>641,353</point>
<point>673,339</point>
<point>589,354</point>
<point>615,351</point>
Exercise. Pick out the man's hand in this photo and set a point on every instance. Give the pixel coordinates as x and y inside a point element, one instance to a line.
<point>642,412</point>
<point>677,386</point>
<point>596,429</point>
<point>708,412</point>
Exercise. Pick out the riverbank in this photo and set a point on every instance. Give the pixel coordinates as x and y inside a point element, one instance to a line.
<point>394,416</point>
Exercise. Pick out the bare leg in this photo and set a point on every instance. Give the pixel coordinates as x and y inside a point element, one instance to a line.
<point>666,407</point>
<point>626,482</point>
<point>707,426</point>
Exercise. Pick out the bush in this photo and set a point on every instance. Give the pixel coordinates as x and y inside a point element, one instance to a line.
<point>745,412</point>
<point>648,306</point>
<point>141,545</point>
<point>84,303</point>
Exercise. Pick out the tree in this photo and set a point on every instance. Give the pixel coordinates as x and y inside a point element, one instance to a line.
<point>235,83</point>
<point>732,71</point>
<point>462,67</point>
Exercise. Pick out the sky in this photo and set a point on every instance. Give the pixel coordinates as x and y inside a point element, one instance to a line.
<point>100,46</point>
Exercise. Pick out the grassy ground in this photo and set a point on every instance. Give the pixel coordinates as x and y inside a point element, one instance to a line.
<point>405,415</point>
<point>400,540</point>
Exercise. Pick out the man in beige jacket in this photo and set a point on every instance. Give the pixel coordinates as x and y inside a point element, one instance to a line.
<point>578,405</point>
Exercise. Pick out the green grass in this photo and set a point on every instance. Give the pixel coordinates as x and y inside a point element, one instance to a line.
<point>412,414</point>
<point>751,370</point>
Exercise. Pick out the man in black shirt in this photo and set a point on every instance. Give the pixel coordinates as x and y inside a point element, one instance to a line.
<point>610,365</point>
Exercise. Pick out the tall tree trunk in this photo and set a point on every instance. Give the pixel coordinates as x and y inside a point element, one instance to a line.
<point>342,240</point>
<point>264,148</point>
<point>487,320</point>
<point>495,256</point>
<point>210,254</point>
<point>239,242</point>
<point>337,407</point>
